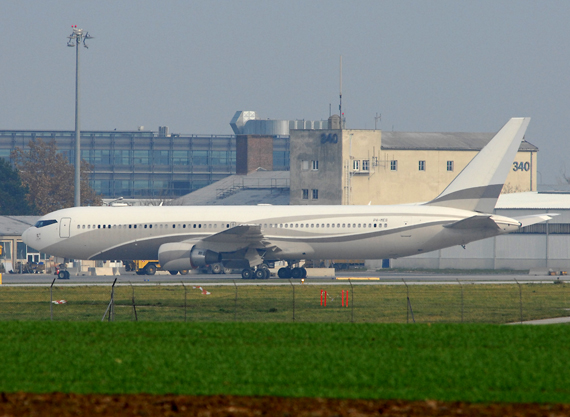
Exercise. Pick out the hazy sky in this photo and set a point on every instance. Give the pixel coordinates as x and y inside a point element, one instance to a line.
<point>424,65</point>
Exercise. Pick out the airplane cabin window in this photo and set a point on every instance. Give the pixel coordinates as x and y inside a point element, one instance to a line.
<point>348,225</point>
<point>385,225</point>
<point>78,226</point>
<point>135,226</point>
<point>98,226</point>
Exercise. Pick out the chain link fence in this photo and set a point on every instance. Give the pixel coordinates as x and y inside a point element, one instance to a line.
<point>461,302</point>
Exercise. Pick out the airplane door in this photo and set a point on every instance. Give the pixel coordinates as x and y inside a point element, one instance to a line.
<point>64,227</point>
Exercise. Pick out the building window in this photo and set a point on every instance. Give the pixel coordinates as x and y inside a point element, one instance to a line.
<point>356,165</point>
<point>304,165</point>
<point>365,165</point>
<point>422,165</point>
<point>315,165</point>
<point>305,194</point>
<point>393,165</point>
<point>315,194</point>
<point>450,165</point>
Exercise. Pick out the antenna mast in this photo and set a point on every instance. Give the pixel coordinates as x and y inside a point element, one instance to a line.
<point>340,95</point>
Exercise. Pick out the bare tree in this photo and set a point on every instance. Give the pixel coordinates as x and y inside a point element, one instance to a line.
<point>49,177</point>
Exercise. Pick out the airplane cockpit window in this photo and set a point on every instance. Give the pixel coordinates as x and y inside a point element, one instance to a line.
<point>43,223</point>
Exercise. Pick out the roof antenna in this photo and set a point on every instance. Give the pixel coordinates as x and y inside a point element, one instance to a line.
<point>340,95</point>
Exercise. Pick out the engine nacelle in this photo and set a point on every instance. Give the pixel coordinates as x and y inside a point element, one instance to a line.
<point>185,255</point>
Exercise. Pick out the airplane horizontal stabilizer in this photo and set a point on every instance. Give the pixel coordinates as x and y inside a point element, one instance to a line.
<point>535,218</point>
<point>478,186</point>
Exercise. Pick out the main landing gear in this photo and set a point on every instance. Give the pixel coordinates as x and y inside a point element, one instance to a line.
<point>261,272</point>
<point>289,272</point>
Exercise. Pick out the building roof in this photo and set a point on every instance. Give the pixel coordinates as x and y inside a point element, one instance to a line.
<point>432,141</point>
<point>15,225</point>
<point>258,187</point>
<point>534,200</point>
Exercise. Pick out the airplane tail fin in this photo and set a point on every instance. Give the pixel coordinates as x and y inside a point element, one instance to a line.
<point>478,186</point>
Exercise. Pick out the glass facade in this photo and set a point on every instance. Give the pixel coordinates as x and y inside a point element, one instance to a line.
<point>145,164</point>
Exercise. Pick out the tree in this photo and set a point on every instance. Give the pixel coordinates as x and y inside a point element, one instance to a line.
<point>12,193</point>
<point>50,177</point>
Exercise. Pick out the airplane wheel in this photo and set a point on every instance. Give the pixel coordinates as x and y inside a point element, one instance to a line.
<point>227,271</point>
<point>217,269</point>
<point>66,274</point>
<point>262,273</point>
<point>296,273</point>
<point>246,273</point>
<point>184,272</point>
<point>173,272</point>
<point>61,275</point>
<point>150,269</point>
<point>284,273</point>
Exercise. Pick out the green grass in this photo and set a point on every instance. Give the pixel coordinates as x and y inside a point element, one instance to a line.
<point>372,303</point>
<point>479,363</point>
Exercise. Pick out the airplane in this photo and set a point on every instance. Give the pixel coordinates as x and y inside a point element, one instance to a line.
<point>253,237</point>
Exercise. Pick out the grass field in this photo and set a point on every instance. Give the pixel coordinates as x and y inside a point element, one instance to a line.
<point>471,362</point>
<point>261,303</point>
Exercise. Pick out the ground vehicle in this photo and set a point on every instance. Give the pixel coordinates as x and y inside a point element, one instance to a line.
<point>147,267</point>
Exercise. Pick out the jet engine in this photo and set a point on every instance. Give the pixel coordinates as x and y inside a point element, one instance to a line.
<point>185,255</point>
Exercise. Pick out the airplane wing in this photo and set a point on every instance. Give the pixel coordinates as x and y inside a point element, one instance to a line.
<point>236,238</point>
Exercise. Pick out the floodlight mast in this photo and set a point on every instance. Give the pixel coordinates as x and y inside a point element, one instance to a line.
<point>77,37</point>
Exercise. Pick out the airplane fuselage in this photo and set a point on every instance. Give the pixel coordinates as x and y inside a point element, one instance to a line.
<point>288,232</point>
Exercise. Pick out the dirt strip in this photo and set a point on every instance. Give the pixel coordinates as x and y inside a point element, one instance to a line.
<point>63,405</point>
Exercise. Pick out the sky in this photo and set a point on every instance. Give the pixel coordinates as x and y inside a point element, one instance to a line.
<point>424,66</point>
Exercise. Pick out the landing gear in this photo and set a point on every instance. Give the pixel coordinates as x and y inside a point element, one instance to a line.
<point>173,272</point>
<point>217,268</point>
<point>289,272</point>
<point>261,272</point>
<point>284,273</point>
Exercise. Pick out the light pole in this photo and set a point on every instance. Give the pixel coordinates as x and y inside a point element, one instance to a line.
<point>77,37</point>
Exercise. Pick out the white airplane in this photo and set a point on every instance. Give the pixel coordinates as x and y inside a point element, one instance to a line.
<point>251,237</point>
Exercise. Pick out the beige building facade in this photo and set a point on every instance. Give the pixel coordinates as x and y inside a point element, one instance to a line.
<point>373,167</point>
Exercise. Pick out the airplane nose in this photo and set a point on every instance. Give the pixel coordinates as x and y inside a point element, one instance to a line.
<point>26,236</point>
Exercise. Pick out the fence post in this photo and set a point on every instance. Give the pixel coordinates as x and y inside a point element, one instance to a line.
<point>112,311</point>
<point>235,302</point>
<point>352,301</point>
<point>51,300</point>
<point>184,300</point>
<point>134,306</point>
<point>110,306</point>
<point>409,304</point>
<point>520,300</point>
<point>461,285</point>
<point>292,286</point>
